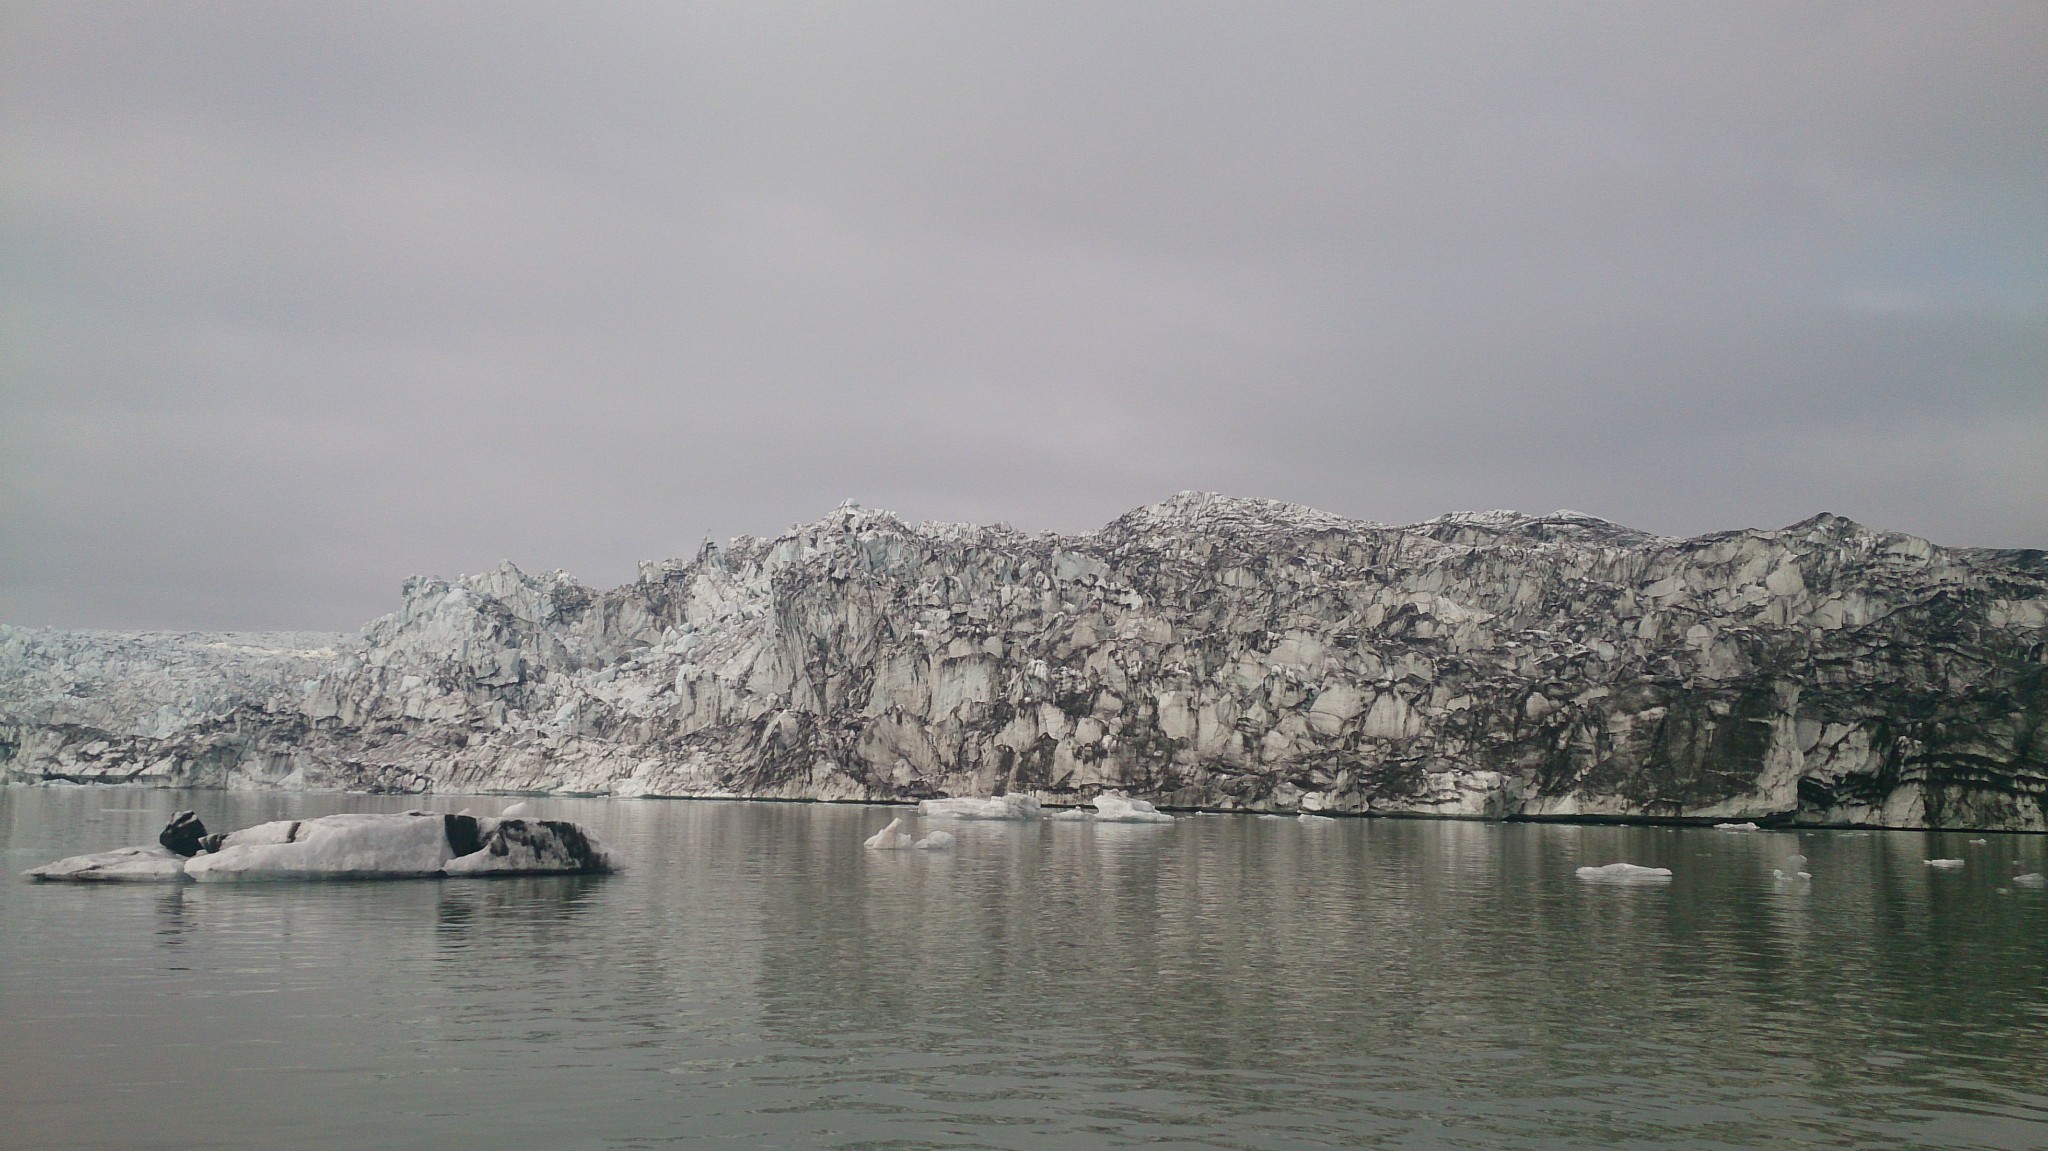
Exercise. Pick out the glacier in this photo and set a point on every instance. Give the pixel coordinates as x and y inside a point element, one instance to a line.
<point>1202,653</point>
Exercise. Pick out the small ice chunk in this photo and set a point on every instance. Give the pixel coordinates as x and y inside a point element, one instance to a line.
<point>1110,807</point>
<point>1795,862</point>
<point>1945,864</point>
<point>936,841</point>
<point>1806,875</point>
<point>520,810</point>
<point>1018,807</point>
<point>1979,842</point>
<point>1736,827</point>
<point>2031,879</point>
<point>1071,815</point>
<point>1625,873</point>
<point>154,864</point>
<point>1306,817</point>
<point>891,838</point>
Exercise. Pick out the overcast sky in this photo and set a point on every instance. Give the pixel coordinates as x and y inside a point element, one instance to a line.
<point>299,299</point>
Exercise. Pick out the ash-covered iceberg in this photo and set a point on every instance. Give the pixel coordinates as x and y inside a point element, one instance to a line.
<point>408,845</point>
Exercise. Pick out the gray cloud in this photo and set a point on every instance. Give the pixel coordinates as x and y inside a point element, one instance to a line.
<point>301,299</point>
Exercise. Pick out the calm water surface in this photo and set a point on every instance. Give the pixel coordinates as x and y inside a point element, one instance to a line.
<point>757,980</point>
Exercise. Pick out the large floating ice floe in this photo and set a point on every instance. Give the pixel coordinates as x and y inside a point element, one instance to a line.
<point>407,845</point>
<point>1625,873</point>
<point>1111,807</point>
<point>1945,864</point>
<point>980,807</point>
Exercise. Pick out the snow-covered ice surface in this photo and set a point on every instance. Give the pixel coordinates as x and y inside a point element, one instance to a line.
<point>1020,807</point>
<point>332,847</point>
<point>407,845</point>
<point>1625,873</point>
<point>122,865</point>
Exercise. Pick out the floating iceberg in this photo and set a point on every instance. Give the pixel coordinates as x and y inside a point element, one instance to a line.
<point>980,807</point>
<point>409,845</point>
<point>2031,879</point>
<point>1945,864</point>
<point>891,838</point>
<point>936,841</point>
<point>1736,827</point>
<point>1306,817</point>
<point>1111,807</point>
<point>122,865</point>
<point>1625,873</point>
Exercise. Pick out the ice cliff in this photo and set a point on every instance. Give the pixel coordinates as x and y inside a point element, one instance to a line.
<point>1202,652</point>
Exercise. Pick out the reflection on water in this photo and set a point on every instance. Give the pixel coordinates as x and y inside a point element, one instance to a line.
<point>1221,982</point>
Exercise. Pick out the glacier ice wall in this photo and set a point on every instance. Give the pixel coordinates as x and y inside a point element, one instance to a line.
<point>1201,652</point>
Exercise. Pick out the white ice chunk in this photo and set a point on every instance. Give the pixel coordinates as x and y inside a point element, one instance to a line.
<point>1071,815</point>
<point>1795,862</point>
<point>122,865</point>
<point>1625,873</point>
<point>890,838</point>
<point>1979,842</point>
<point>1111,807</point>
<point>1945,864</point>
<point>1736,827</point>
<point>936,841</point>
<point>2031,879</point>
<point>331,847</point>
<point>520,810</point>
<point>980,807</point>
<point>1305,817</point>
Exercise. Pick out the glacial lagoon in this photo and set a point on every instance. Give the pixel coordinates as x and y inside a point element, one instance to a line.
<point>755,978</point>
